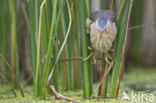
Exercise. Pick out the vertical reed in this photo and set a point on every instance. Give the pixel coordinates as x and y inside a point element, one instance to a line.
<point>4,34</point>
<point>87,70</point>
<point>120,44</point>
<point>136,37</point>
<point>13,25</point>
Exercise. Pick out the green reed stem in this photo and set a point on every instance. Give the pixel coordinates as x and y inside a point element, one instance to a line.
<point>48,54</point>
<point>87,71</point>
<point>103,88</point>
<point>66,69</point>
<point>55,79</point>
<point>136,37</point>
<point>12,8</point>
<point>38,49</point>
<point>3,34</point>
<point>13,73</point>
<point>32,38</point>
<point>119,48</point>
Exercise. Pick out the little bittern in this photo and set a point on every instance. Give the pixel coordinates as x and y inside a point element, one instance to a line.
<point>102,29</point>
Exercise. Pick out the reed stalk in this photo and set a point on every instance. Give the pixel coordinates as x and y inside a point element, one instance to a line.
<point>104,86</point>
<point>74,44</point>
<point>136,37</point>
<point>13,24</point>
<point>3,35</point>
<point>32,39</point>
<point>13,73</point>
<point>119,48</point>
<point>55,79</point>
<point>47,68</point>
<point>37,84</point>
<point>87,70</point>
<point>65,67</point>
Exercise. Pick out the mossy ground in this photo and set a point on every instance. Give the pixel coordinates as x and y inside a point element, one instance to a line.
<point>136,80</point>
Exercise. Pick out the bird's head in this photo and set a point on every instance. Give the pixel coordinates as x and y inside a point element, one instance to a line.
<point>102,18</point>
<point>102,23</point>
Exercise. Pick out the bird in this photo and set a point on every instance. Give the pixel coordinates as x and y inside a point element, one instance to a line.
<point>102,29</point>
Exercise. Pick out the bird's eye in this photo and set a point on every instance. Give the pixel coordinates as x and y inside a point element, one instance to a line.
<point>102,22</point>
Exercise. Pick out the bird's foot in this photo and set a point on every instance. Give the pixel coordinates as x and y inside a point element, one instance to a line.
<point>91,54</point>
<point>108,58</point>
<point>107,61</point>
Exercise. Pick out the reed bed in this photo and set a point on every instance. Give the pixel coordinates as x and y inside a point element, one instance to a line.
<point>58,44</point>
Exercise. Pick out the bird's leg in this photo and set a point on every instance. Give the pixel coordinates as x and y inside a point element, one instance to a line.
<point>109,56</point>
<point>94,60</point>
<point>106,59</point>
<point>91,54</point>
<point>113,53</point>
<point>90,48</point>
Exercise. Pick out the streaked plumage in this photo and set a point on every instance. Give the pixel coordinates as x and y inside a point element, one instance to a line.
<point>102,29</point>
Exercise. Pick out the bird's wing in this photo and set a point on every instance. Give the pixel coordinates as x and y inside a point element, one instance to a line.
<point>88,23</point>
<point>106,13</point>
